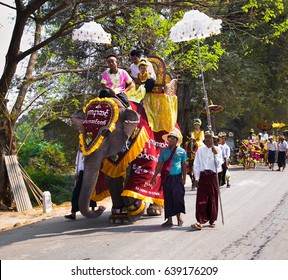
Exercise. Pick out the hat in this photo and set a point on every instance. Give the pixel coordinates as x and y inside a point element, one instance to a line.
<point>251,130</point>
<point>260,133</point>
<point>197,121</point>
<point>142,62</point>
<point>222,134</point>
<point>270,137</point>
<point>209,133</point>
<point>172,133</point>
<point>281,137</point>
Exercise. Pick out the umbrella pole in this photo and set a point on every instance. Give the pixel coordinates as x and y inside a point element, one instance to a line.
<point>87,77</point>
<point>209,126</point>
<point>204,89</point>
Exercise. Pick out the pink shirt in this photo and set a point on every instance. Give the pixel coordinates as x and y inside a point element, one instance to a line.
<point>116,81</point>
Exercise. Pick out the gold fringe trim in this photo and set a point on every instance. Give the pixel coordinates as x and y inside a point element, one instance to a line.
<point>133,194</point>
<point>100,196</point>
<point>110,128</point>
<point>138,211</point>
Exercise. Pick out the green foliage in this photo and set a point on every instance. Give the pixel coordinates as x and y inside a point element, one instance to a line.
<point>60,186</point>
<point>267,18</point>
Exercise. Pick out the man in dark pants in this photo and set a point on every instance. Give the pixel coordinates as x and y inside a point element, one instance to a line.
<point>207,162</point>
<point>76,191</point>
<point>226,156</point>
<point>282,153</point>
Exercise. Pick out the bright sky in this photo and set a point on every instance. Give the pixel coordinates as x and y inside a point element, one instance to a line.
<point>6,29</point>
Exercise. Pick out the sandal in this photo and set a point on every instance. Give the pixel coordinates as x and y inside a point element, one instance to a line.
<point>70,217</point>
<point>197,226</point>
<point>167,224</point>
<point>180,223</point>
<point>212,225</point>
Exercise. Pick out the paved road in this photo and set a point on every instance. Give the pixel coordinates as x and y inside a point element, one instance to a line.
<point>256,226</point>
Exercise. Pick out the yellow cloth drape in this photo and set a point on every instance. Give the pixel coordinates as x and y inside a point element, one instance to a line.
<point>133,194</point>
<point>136,95</point>
<point>198,136</point>
<point>118,170</point>
<point>161,110</point>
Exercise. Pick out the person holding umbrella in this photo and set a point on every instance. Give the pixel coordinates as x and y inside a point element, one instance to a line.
<point>207,162</point>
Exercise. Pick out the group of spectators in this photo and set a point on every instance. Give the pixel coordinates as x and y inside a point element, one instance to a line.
<point>275,148</point>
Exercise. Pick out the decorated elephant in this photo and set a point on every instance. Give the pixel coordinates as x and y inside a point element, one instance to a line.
<point>122,147</point>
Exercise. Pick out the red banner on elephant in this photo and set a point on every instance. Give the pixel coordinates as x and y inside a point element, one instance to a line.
<point>142,170</point>
<point>100,114</point>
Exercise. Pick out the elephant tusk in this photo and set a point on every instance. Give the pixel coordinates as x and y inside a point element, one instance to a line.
<point>127,121</point>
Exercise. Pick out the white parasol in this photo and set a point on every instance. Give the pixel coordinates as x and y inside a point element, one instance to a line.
<point>196,25</point>
<point>91,32</point>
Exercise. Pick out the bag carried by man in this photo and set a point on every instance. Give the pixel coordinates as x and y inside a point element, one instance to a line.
<point>165,170</point>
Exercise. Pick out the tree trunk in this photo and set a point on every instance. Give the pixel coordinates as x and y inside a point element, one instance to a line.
<point>7,121</point>
<point>7,147</point>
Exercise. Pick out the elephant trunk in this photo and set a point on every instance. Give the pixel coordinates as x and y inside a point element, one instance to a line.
<point>91,172</point>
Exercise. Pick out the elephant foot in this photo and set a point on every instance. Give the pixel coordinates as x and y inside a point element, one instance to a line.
<point>119,215</point>
<point>154,210</point>
<point>100,211</point>
<point>118,218</point>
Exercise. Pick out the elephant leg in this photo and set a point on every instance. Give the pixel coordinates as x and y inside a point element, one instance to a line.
<point>116,188</point>
<point>154,210</point>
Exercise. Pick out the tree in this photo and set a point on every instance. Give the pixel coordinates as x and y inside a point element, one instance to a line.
<point>51,21</point>
<point>136,23</point>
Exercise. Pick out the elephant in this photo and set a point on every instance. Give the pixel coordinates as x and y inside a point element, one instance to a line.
<point>113,142</point>
<point>140,164</point>
<point>121,156</point>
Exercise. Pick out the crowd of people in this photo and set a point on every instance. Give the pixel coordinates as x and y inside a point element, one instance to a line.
<point>264,148</point>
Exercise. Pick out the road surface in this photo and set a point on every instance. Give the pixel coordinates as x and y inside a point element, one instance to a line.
<point>255,228</point>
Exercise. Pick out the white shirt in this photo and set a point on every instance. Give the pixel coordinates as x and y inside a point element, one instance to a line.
<point>272,146</point>
<point>135,70</point>
<point>265,136</point>
<point>226,150</point>
<point>282,147</point>
<point>219,169</point>
<point>206,160</point>
<point>79,162</point>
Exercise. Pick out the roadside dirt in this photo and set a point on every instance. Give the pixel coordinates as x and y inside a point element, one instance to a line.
<point>12,219</point>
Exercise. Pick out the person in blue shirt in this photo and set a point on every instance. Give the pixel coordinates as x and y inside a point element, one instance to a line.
<point>174,158</point>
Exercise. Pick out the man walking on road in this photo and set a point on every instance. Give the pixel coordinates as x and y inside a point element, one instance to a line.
<point>207,161</point>
<point>282,153</point>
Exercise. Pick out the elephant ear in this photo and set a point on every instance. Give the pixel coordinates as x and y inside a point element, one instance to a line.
<point>131,121</point>
<point>77,119</point>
